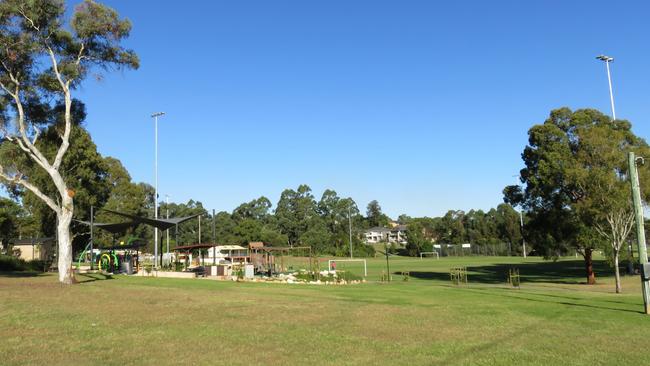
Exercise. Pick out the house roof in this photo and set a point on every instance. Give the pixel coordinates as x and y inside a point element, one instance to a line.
<point>255,244</point>
<point>195,246</point>
<point>378,229</point>
<point>399,228</point>
<point>31,241</point>
<point>230,247</point>
<point>205,246</point>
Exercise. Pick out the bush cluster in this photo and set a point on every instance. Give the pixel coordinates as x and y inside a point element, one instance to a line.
<point>13,264</point>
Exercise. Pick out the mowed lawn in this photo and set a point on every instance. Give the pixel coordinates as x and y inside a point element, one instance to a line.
<point>552,319</point>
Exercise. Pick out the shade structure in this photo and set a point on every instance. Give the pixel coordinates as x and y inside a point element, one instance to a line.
<point>162,224</point>
<point>113,228</point>
<point>123,247</point>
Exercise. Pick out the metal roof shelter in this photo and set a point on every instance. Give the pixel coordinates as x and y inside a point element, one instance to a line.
<point>162,224</point>
<point>124,247</point>
<point>134,220</point>
<point>112,228</point>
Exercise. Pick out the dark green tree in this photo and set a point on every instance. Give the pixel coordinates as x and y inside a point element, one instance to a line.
<point>258,209</point>
<point>417,241</point>
<point>128,197</point>
<point>509,227</point>
<point>84,169</point>
<point>296,212</point>
<point>10,214</point>
<point>575,184</point>
<point>375,216</point>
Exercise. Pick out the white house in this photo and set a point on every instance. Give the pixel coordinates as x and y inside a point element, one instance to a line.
<point>376,235</point>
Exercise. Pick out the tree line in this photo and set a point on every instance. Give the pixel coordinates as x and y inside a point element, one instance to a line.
<point>484,231</point>
<point>298,218</point>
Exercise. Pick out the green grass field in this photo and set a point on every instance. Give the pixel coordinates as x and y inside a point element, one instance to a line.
<point>553,319</point>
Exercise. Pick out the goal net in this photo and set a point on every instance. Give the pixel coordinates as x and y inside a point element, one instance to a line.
<point>429,254</point>
<point>352,268</point>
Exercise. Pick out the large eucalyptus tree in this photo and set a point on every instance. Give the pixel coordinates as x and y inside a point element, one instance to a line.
<point>576,190</point>
<point>43,60</point>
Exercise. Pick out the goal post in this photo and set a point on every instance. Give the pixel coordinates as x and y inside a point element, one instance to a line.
<point>434,252</point>
<point>365,264</point>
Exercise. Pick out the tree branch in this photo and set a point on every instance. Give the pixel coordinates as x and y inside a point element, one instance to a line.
<point>65,139</point>
<point>80,55</point>
<point>36,155</point>
<point>2,85</point>
<point>17,179</point>
<point>65,87</point>
<point>22,12</point>
<point>55,67</point>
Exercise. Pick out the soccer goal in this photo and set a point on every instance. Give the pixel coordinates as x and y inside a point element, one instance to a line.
<point>365,265</point>
<point>423,253</point>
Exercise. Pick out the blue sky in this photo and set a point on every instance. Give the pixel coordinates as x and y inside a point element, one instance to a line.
<point>421,105</point>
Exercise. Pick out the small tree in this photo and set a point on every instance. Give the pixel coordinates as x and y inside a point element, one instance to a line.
<point>43,60</point>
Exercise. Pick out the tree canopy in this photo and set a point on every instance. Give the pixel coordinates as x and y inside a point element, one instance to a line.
<point>576,192</point>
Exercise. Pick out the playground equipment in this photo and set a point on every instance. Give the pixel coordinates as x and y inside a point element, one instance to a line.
<point>405,276</point>
<point>458,275</point>
<point>82,256</point>
<point>104,262</point>
<point>122,258</point>
<point>513,277</point>
<point>384,277</point>
<point>271,260</point>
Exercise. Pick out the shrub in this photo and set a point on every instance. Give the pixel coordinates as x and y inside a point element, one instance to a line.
<point>9,263</point>
<point>12,264</point>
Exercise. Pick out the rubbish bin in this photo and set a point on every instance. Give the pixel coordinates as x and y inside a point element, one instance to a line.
<point>126,267</point>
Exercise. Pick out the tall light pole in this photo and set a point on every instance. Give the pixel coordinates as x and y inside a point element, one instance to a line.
<point>155,201</point>
<point>607,60</point>
<point>350,227</point>
<point>521,225</point>
<point>167,209</point>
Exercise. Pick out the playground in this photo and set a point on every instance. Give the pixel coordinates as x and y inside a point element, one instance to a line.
<point>112,320</point>
<point>255,262</point>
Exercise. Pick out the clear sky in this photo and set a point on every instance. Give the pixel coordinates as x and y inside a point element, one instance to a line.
<point>422,105</point>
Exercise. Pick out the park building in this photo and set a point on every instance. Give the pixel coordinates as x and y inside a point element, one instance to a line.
<point>396,234</point>
<point>30,249</point>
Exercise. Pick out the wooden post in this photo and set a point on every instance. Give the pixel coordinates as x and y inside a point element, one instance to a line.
<point>640,231</point>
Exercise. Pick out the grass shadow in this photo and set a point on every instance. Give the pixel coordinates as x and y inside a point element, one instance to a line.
<point>92,277</point>
<point>560,272</point>
<point>554,299</point>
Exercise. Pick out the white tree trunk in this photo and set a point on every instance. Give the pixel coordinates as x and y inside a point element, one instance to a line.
<point>617,273</point>
<point>64,237</point>
<point>620,224</point>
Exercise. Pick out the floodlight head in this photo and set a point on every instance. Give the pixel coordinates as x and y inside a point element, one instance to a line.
<point>605,58</point>
<point>157,114</point>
